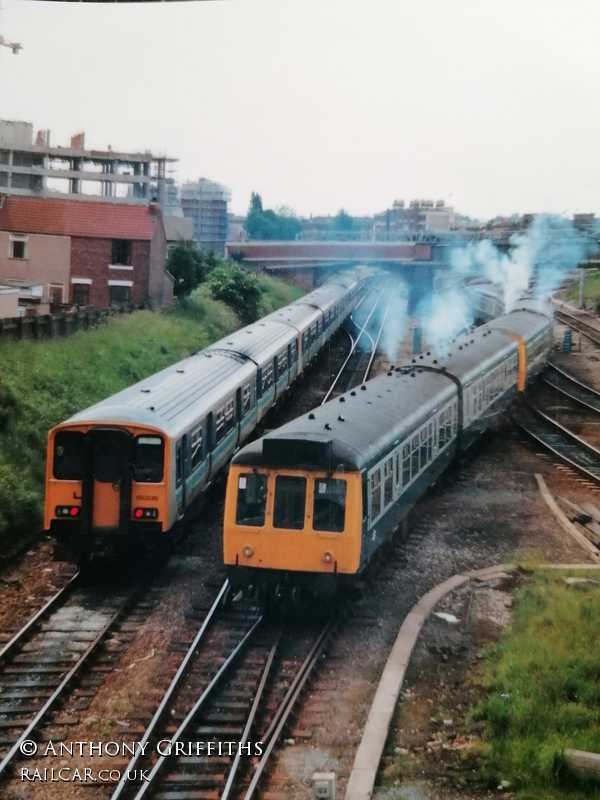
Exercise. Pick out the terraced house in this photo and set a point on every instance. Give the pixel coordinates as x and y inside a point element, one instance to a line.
<point>85,253</point>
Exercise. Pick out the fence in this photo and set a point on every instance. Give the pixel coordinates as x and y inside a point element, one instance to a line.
<point>48,326</point>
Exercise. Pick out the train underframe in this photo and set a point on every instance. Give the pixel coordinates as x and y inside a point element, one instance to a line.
<point>120,547</point>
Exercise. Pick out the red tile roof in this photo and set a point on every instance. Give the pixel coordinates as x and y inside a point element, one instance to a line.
<point>76,218</point>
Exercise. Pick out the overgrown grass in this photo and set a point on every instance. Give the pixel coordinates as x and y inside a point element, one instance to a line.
<point>42,383</point>
<point>543,682</point>
<point>591,290</point>
<point>275,293</point>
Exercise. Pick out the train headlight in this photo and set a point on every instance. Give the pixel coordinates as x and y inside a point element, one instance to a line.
<point>248,551</point>
<point>327,557</point>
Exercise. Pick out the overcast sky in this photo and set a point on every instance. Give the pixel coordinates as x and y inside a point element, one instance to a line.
<point>319,104</point>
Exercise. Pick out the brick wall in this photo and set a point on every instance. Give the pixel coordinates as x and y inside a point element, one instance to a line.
<point>91,258</point>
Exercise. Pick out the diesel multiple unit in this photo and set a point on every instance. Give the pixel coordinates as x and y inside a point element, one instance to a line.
<point>127,468</point>
<point>308,505</point>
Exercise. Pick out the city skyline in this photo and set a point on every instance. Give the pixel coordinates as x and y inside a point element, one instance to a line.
<point>330,105</point>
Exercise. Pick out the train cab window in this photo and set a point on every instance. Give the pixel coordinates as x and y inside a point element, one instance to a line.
<point>197,445</point>
<point>329,506</point>
<point>69,455</point>
<point>251,499</point>
<point>290,500</point>
<point>148,458</point>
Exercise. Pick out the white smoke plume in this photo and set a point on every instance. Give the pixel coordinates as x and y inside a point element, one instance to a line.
<point>545,253</point>
<point>443,316</point>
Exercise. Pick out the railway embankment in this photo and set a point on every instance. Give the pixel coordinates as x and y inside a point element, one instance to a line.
<point>43,382</point>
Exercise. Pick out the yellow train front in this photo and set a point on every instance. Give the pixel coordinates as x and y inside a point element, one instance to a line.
<point>309,505</point>
<point>293,526</point>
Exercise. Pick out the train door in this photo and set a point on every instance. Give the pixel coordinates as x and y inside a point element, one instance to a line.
<point>238,415</point>
<point>107,486</point>
<point>210,443</point>
<point>180,474</point>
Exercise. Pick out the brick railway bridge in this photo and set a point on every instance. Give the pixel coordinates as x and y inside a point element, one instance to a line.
<point>307,263</point>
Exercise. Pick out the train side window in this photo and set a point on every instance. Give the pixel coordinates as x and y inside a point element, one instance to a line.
<point>197,447</point>
<point>267,377</point>
<point>219,424</point>
<point>424,448</point>
<point>148,459</point>
<point>442,429</point>
<point>246,398</point>
<point>329,506</point>
<point>406,465</point>
<point>251,499</point>
<point>397,473</point>
<point>375,488</point>
<point>229,413</point>
<point>69,455</point>
<point>290,502</point>
<point>282,362</point>
<point>388,482</point>
<point>414,448</point>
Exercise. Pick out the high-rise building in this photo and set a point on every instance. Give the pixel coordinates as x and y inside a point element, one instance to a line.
<point>29,167</point>
<point>205,203</point>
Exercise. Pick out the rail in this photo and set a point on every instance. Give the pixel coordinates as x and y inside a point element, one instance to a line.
<point>560,441</point>
<point>571,387</point>
<point>589,331</point>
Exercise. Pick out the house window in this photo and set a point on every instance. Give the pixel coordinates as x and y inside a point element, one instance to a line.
<point>120,295</point>
<point>80,294</point>
<point>121,251</point>
<point>18,247</point>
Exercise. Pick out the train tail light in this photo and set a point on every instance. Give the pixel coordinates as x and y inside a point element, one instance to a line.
<point>248,551</point>
<point>145,513</point>
<point>68,511</point>
<point>327,557</point>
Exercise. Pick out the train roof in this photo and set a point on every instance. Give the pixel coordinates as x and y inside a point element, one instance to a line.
<point>257,342</point>
<point>357,428</point>
<point>354,429</point>
<point>296,315</point>
<point>169,399</point>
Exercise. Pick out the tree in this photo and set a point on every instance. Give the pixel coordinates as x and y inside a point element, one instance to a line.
<point>187,265</point>
<point>268,224</point>
<point>238,288</point>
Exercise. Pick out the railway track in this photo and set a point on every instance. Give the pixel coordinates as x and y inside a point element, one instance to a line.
<point>236,686</point>
<point>559,441</point>
<point>570,387</point>
<point>59,650</point>
<point>357,365</point>
<point>577,323</point>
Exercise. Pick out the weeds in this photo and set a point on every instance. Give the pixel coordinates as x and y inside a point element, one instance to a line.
<point>543,688</point>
